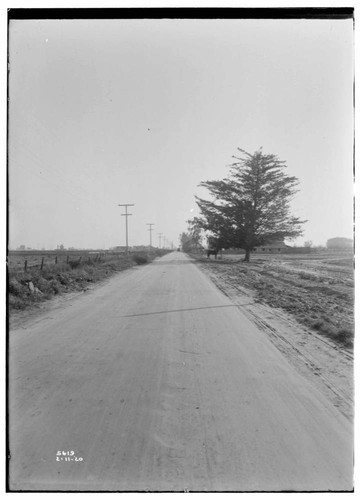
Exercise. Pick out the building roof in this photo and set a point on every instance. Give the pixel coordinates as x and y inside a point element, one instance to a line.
<point>274,244</point>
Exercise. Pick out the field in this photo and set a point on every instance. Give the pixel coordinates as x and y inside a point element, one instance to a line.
<point>316,289</point>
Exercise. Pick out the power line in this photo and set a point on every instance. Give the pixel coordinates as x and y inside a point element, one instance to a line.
<point>159,234</point>
<point>126,214</point>
<point>150,229</point>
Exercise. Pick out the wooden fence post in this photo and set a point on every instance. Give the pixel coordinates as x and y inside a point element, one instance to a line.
<point>56,259</point>
<point>25,265</point>
<point>42,264</point>
<point>79,259</point>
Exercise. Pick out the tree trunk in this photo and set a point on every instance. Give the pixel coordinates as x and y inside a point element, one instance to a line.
<point>247,255</point>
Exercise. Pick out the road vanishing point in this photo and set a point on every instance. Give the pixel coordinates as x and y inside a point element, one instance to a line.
<point>156,381</point>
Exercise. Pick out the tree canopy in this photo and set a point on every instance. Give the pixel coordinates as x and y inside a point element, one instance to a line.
<point>250,207</point>
<point>191,241</point>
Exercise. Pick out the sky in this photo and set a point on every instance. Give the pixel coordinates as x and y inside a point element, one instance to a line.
<point>108,112</point>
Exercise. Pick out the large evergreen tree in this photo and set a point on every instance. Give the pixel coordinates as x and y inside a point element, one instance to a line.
<point>252,206</point>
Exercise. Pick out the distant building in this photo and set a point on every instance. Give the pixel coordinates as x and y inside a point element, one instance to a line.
<point>140,248</point>
<point>339,244</point>
<point>118,249</point>
<point>276,246</point>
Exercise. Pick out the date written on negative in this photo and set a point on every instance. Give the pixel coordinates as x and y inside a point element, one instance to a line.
<point>67,456</point>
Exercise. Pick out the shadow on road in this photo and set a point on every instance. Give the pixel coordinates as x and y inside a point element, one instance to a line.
<point>184,310</point>
<point>175,262</point>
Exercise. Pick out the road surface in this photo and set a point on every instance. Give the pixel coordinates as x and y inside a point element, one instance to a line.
<point>158,382</point>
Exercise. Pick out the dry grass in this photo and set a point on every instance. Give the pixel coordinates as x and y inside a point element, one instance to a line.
<point>27,288</point>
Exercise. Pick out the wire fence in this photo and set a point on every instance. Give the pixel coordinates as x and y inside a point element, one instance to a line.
<point>20,260</point>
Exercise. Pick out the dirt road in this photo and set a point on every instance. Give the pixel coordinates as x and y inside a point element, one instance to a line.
<point>159,382</point>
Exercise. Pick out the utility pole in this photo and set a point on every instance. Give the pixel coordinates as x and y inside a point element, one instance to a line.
<point>150,229</point>
<point>126,205</point>
<point>159,234</point>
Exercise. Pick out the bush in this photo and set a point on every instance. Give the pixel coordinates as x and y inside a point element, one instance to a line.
<point>15,287</point>
<point>81,275</point>
<point>55,286</point>
<point>140,259</point>
<point>63,279</point>
<point>319,325</point>
<point>15,302</point>
<point>42,284</point>
<point>345,336</point>
<point>74,264</point>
